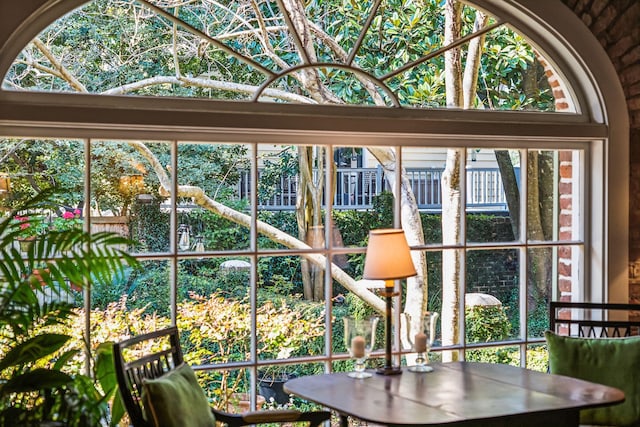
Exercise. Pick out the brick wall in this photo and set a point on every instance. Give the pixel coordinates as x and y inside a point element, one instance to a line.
<point>616,25</point>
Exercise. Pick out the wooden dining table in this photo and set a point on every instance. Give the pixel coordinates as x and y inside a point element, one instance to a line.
<point>457,394</point>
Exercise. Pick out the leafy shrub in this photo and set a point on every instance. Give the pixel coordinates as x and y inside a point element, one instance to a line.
<point>505,356</point>
<point>486,323</point>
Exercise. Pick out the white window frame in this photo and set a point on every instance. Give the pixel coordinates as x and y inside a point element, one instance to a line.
<point>601,125</point>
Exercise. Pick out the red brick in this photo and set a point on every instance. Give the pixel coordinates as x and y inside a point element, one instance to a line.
<point>597,7</point>
<point>603,21</point>
<point>630,74</point>
<point>564,285</point>
<point>564,269</point>
<point>565,188</point>
<point>565,170</point>
<point>564,252</point>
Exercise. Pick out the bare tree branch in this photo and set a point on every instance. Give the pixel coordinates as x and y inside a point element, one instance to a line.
<point>75,83</point>
<point>206,83</point>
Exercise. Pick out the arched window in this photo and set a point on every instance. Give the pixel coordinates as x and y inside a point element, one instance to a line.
<point>248,148</point>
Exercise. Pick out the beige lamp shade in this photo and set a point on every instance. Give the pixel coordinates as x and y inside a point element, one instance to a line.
<point>388,256</point>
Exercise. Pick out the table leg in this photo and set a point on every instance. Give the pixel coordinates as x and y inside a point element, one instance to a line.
<point>344,420</point>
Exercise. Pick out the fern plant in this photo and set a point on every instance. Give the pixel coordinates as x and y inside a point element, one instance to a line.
<point>34,387</point>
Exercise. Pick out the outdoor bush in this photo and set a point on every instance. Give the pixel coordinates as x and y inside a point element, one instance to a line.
<point>103,295</point>
<point>218,233</point>
<point>150,227</point>
<point>538,358</point>
<point>538,319</point>
<point>149,288</point>
<point>489,228</point>
<point>283,220</point>
<point>506,356</point>
<point>280,274</point>
<point>217,330</point>
<point>486,323</point>
<point>231,284</point>
<point>213,330</point>
<point>432,227</point>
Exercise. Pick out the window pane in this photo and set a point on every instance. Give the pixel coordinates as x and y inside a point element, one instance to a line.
<point>288,325</point>
<point>218,326</point>
<point>136,304</point>
<point>555,188</point>
<point>29,166</point>
<point>554,273</point>
<point>493,195</point>
<point>208,50</point>
<point>292,176</point>
<point>124,192</point>
<point>492,299</point>
<point>212,216</point>
<point>538,357</point>
<point>424,168</point>
<point>502,355</point>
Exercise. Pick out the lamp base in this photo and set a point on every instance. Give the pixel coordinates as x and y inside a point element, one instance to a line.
<point>389,370</point>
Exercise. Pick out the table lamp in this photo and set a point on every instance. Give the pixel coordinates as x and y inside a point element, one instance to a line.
<point>388,258</point>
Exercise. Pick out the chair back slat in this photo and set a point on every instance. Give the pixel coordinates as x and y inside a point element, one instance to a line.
<point>594,320</point>
<point>145,356</point>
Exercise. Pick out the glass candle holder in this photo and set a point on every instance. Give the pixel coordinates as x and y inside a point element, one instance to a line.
<point>359,340</point>
<point>421,340</point>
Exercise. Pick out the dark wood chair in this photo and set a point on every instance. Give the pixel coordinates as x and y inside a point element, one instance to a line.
<point>594,320</point>
<point>133,364</point>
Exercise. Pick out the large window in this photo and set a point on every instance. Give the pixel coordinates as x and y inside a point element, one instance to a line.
<point>251,219</point>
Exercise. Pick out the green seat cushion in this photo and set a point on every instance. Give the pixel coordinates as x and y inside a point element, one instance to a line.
<point>176,400</point>
<point>610,361</point>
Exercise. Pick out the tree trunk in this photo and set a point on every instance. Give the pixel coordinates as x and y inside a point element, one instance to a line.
<point>539,278</point>
<point>309,217</point>
<point>511,190</point>
<point>451,194</point>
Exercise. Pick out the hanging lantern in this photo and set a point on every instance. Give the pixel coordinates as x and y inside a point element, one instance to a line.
<point>184,238</point>
<point>199,244</point>
<point>5,185</point>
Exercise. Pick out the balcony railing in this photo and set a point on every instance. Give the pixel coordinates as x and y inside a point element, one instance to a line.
<point>357,187</point>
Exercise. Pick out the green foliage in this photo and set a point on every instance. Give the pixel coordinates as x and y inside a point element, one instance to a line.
<point>149,227</point>
<point>224,333</point>
<point>537,356</point>
<point>506,356</point>
<point>273,171</point>
<point>105,374</point>
<point>33,384</point>
<point>105,45</point>
<point>486,323</point>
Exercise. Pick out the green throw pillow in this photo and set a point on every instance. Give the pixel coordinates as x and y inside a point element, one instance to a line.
<point>176,400</point>
<point>610,361</point>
